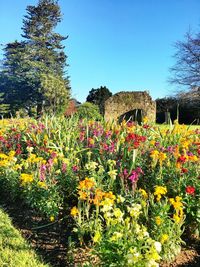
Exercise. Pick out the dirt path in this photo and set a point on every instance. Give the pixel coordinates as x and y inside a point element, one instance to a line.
<point>51,241</point>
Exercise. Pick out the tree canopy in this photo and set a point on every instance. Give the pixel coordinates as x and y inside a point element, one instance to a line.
<point>98,97</point>
<point>33,70</point>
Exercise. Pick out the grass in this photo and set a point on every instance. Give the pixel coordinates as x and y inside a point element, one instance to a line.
<point>14,250</point>
<point>168,126</point>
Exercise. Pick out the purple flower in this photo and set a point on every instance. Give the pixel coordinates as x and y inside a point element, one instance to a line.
<point>134,177</point>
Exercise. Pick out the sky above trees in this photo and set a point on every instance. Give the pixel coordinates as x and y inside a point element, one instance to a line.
<point>125,45</point>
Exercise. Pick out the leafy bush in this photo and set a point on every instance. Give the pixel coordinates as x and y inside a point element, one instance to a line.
<point>89,111</point>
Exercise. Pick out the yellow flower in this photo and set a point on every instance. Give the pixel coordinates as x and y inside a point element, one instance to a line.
<point>134,210</point>
<point>11,154</point>
<point>118,213</point>
<point>82,195</point>
<point>42,184</point>
<point>143,193</point>
<point>159,191</point>
<point>116,236</point>
<point>145,119</point>
<point>154,154</point>
<point>162,156</point>
<point>177,204</point>
<point>164,238</point>
<point>26,178</point>
<point>97,237</point>
<point>3,156</point>
<point>158,220</point>
<point>152,142</point>
<point>177,218</point>
<point>120,199</point>
<point>52,218</point>
<point>171,200</point>
<point>74,211</point>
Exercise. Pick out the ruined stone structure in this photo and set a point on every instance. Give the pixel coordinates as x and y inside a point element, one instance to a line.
<point>130,105</point>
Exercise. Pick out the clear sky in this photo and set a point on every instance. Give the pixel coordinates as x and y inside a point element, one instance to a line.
<point>126,45</point>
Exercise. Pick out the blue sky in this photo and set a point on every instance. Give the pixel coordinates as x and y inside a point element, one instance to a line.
<point>126,45</point>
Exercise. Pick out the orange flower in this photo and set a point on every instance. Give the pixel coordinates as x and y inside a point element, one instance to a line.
<point>88,183</point>
<point>82,195</point>
<point>98,197</point>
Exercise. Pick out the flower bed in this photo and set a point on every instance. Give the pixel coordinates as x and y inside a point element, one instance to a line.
<point>131,191</point>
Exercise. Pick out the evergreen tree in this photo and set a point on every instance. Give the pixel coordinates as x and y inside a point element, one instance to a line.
<point>4,108</point>
<point>31,66</point>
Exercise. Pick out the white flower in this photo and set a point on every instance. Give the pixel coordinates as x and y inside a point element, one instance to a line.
<point>112,174</point>
<point>158,246</point>
<point>29,149</point>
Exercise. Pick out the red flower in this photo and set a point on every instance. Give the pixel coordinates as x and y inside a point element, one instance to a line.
<point>190,190</point>
<point>184,170</point>
<point>181,159</point>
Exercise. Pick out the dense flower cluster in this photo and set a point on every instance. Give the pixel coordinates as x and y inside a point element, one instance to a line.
<point>130,189</point>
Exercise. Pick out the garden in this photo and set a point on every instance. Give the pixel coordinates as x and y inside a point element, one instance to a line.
<point>125,194</point>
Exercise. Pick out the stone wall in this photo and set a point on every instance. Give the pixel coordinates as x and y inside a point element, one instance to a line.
<point>123,102</point>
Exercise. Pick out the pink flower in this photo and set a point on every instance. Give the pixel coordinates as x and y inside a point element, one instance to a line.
<point>135,174</point>
<point>133,177</point>
<point>75,168</point>
<point>42,172</point>
<point>64,167</point>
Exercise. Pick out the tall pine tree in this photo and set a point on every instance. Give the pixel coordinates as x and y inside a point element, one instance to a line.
<point>34,69</point>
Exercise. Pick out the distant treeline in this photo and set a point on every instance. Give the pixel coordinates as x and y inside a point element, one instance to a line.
<point>185,107</point>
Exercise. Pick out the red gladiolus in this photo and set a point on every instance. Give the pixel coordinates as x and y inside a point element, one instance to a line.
<point>190,190</point>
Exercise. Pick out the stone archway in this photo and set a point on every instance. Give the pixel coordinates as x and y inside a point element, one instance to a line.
<point>123,103</point>
<point>135,115</point>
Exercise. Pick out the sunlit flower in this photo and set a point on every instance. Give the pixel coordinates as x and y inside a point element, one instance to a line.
<point>26,178</point>
<point>112,174</point>
<point>164,238</point>
<point>52,218</point>
<point>74,211</point>
<point>97,237</point>
<point>158,220</point>
<point>190,190</point>
<point>158,246</point>
<point>143,193</point>
<point>159,191</point>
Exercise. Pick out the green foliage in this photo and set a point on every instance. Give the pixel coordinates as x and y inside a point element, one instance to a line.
<point>89,111</point>
<point>4,108</point>
<point>33,70</point>
<point>53,88</point>
<point>132,190</point>
<point>99,96</point>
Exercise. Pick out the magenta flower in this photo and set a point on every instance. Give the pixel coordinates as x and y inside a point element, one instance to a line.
<point>75,168</point>
<point>134,177</point>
